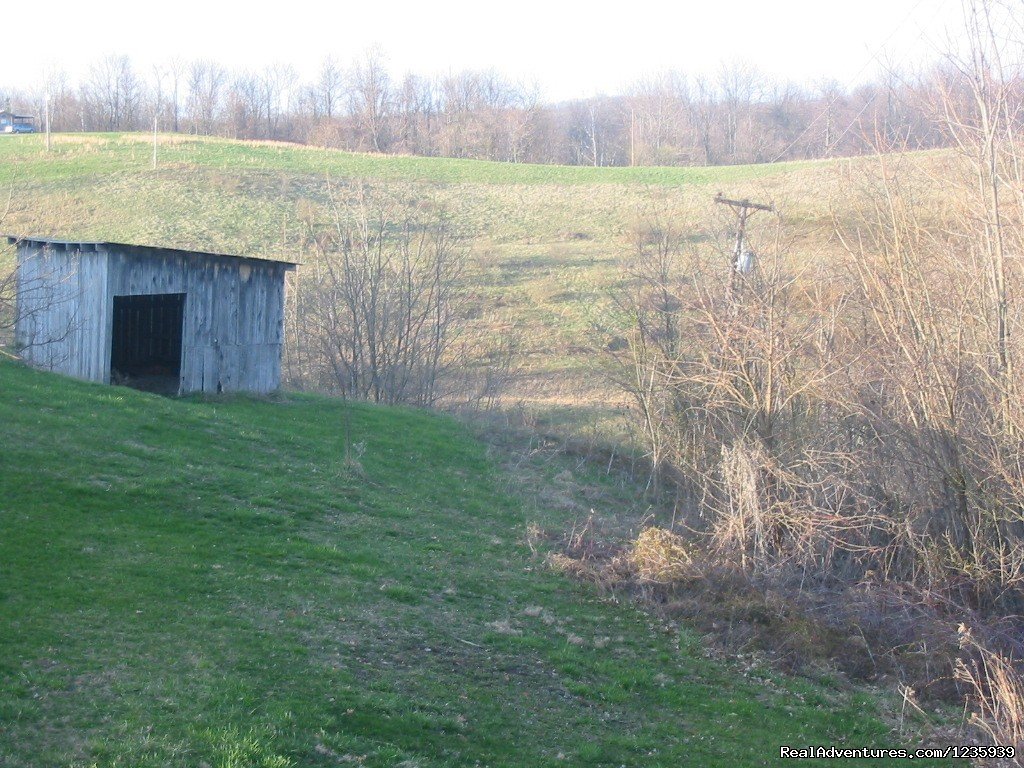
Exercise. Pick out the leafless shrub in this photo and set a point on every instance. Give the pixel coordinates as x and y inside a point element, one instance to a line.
<point>383,306</point>
<point>494,362</point>
<point>7,306</point>
<point>7,281</point>
<point>380,309</point>
<point>38,286</point>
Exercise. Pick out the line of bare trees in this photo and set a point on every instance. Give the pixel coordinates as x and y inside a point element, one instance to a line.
<point>738,116</point>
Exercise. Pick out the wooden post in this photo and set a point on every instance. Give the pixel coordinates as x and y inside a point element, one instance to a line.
<point>744,209</point>
<point>632,138</point>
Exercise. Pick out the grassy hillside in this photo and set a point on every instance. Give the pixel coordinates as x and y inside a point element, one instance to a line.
<point>189,582</point>
<point>92,153</point>
<point>246,197</point>
<point>546,240</point>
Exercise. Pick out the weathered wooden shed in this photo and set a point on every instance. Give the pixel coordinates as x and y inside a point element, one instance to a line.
<point>161,319</point>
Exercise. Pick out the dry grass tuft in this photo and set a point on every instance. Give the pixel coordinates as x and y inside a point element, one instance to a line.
<point>996,687</point>
<point>660,556</point>
<point>560,563</point>
<point>504,627</point>
<point>593,572</point>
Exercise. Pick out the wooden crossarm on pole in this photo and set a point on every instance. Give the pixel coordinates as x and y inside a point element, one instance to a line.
<point>720,198</point>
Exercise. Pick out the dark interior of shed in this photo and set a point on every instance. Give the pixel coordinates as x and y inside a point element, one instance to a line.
<point>145,351</point>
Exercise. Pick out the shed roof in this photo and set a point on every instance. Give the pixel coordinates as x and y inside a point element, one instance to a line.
<point>141,250</point>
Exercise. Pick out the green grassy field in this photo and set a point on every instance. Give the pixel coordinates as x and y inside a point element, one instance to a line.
<point>545,242</point>
<point>210,583</point>
<point>89,154</point>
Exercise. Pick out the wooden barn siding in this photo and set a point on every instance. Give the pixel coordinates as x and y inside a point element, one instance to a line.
<point>96,308</point>
<point>61,321</point>
<point>234,316</point>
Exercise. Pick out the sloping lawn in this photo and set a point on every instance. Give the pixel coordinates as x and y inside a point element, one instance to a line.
<point>209,583</point>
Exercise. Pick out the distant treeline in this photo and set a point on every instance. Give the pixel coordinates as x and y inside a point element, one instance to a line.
<point>739,116</point>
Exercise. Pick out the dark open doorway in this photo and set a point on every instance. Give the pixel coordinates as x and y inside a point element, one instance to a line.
<point>145,342</point>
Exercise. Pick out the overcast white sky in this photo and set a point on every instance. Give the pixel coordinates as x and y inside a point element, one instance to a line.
<point>570,49</point>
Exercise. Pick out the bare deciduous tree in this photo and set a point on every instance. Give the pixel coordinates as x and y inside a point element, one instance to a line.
<point>206,83</point>
<point>370,101</point>
<point>112,95</point>
<point>384,306</point>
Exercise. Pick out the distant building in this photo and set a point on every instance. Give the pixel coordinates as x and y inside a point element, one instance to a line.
<point>159,319</point>
<point>12,123</point>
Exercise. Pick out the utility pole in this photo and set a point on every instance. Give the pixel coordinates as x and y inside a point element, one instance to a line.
<point>47,116</point>
<point>632,138</point>
<point>744,210</point>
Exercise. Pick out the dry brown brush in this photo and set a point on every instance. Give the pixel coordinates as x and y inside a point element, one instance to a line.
<point>860,413</point>
<point>856,419</point>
